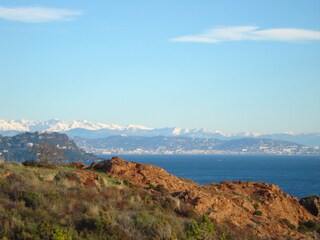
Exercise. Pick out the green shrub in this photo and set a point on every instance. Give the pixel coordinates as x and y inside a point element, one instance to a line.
<point>31,199</point>
<point>207,228</point>
<point>160,188</point>
<point>171,204</point>
<point>2,161</point>
<point>67,175</point>
<point>20,233</point>
<point>98,165</point>
<point>309,226</point>
<point>30,163</point>
<point>203,229</point>
<point>155,224</point>
<point>192,229</point>
<point>44,231</point>
<point>90,224</point>
<point>289,224</point>
<point>257,213</point>
<point>60,234</point>
<point>127,183</point>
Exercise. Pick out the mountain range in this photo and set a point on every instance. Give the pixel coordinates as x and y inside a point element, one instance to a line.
<point>90,130</point>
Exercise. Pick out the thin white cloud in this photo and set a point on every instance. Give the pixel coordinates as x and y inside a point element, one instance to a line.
<point>250,33</point>
<point>38,14</point>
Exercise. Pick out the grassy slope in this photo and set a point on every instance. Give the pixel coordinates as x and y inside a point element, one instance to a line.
<point>40,203</point>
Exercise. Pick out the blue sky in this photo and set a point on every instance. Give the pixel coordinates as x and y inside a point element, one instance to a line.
<point>251,65</point>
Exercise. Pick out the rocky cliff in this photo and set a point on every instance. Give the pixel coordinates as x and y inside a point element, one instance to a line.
<point>257,208</point>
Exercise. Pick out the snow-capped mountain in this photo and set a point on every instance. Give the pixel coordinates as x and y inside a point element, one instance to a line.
<point>90,130</point>
<point>55,125</point>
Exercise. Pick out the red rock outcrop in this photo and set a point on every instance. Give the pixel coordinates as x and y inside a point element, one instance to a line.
<point>258,208</point>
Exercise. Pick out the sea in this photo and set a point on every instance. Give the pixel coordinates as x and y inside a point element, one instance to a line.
<point>298,176</point>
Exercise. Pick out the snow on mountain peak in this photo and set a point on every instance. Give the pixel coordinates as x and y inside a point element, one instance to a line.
<point>55,125</point>
<point>137,127</point>
<point>251,134</point>
<point>12,125</point>
<point>176,131</point>
<point>289,133</point>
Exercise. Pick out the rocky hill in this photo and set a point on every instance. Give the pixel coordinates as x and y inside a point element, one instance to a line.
<point>258,208</point>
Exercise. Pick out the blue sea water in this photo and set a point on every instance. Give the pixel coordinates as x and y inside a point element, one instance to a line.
<point>297,175</point>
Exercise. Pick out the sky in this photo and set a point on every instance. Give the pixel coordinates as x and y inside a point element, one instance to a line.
<point>234,66</point>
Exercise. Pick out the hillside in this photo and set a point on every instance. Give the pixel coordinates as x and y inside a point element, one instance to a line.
<point>115,199</point>
<point>68,203</point>
<point>21,147</point>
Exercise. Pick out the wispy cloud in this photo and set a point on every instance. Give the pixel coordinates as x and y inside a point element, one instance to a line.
<point>38,14</point>
<point>250,33</point>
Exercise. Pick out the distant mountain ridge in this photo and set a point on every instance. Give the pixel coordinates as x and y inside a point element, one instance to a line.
<point>90,130</point>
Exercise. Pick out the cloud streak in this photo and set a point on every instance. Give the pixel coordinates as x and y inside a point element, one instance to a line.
<point>38,14</point>
<point>250,33</point>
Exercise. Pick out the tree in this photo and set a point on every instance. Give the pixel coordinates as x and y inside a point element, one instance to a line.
<point>2,160</point>
<point>49,155</point>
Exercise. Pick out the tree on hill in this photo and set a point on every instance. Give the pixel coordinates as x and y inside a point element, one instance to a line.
<point>47,154</point>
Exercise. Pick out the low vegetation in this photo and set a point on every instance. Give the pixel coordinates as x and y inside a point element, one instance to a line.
<point>309,226</point>
<point>65,203</point>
